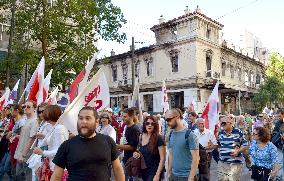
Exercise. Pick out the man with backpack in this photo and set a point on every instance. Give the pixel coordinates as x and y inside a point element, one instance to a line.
<point>183,149</point>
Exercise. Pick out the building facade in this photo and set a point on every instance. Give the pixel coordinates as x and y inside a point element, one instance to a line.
<point>4,41</point>
<point>190,56</point>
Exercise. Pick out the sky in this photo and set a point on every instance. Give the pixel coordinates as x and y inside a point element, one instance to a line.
<point>263,18</point>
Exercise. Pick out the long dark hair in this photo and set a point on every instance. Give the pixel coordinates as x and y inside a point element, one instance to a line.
<point>152,145</point>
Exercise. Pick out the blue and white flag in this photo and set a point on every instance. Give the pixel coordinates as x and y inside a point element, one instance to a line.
<point>14,93</point>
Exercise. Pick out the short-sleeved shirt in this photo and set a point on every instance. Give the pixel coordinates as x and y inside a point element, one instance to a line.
<point>228,143</point>
<point>87,158</point>
<point>132,138</point>
<point>181,155</point>
<point>152,160</point>
<point>264,157</point>
<point>28,131</point>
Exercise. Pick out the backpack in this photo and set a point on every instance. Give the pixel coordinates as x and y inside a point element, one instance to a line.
<point>203,163</point>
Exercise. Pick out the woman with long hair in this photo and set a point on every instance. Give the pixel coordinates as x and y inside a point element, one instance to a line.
<point>152,147</point>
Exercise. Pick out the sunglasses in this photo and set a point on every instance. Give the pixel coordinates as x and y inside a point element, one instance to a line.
<point>169,119</point>
<point>224,123</point>
<point>28,107</point>
<point>39,112</point>
<point>148,124</point>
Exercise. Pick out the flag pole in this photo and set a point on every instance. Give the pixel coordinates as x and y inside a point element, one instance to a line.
<point>21,97</point>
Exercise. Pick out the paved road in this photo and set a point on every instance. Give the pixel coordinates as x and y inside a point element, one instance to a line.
<point>213,172</point>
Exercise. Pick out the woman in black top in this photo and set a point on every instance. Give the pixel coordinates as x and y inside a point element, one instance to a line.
<point>153,149</point>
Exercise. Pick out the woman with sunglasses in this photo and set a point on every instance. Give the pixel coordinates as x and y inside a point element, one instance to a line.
<point>264,155</point>
<point>44,126</point>
<point>105,127</point>
<point>152,147</point>
<point>58,135</point>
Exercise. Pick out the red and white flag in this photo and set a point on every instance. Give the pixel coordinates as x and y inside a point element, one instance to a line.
<point>95,94</point>
<point>165,102</point>
<point>210,113</point>
<point>35,85</point>
<point>4,99</point>
<point>77,85</point>
<point>52,100</point>
<point>46,83</point>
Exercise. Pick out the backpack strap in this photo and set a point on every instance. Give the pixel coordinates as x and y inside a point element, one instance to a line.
<point>187,133</point>
<point>171,132</point>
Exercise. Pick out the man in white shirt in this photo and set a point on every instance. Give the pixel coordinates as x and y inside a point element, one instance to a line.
<point>208,142</point>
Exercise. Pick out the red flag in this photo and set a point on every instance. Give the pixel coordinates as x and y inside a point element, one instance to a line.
<point>4,99</point>
<point>210,113</point>
<point>35,85</point>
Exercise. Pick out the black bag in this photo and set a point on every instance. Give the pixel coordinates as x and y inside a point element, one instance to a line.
<point>259,173</point>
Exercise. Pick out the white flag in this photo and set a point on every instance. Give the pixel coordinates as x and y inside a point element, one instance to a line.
<point>135,96</point>
<point>46,83</point>
<point>52,98</point>
<point>95,94</point>
<point>165,99</point>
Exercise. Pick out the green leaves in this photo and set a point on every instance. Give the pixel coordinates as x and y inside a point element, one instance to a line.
<point>64,31</point>
<point>272,90</point>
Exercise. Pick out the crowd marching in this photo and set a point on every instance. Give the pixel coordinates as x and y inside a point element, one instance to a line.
<point>134,145</point>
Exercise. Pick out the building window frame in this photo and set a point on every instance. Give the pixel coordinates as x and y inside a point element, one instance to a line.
<point>232,71</point>
<point>223,65</point>
<point>175,63</point>
<point>114,72</point>
<point>124,67</point>
<point>149,67</point>
<point>208,58</point>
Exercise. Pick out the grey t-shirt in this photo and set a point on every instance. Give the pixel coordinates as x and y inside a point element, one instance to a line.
<point>181,155</point>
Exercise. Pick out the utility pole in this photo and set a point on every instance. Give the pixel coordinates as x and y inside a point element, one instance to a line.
<point>132,65</point>
<point>11,34</point>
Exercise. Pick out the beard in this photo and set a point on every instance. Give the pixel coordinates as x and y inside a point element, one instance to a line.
<point>90,131</point>
<point>173,126</point>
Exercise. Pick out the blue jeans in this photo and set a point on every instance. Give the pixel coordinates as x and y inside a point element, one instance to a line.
<point>5,166</point>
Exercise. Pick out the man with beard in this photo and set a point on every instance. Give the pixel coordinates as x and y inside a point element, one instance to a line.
<point>88,156</point>
<point>183,149</point>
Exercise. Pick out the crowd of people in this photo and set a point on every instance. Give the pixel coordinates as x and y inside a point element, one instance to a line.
<point>134,145</point>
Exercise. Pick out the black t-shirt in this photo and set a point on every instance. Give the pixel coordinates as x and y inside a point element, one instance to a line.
<point>132,137</point>
<point>152,160</point>
<point>87,159</point>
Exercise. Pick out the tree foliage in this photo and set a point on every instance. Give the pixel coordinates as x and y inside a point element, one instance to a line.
<point>64,32</point>
<point>271,92</point>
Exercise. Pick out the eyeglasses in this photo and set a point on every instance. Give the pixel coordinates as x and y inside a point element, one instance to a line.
<point>169,119</point>
<point>148,124</point>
